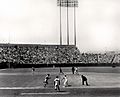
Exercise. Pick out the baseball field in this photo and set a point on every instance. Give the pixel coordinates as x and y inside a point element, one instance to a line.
<point>22,82</point>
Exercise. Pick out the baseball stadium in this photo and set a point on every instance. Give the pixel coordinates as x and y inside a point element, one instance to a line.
<point>31,70</point>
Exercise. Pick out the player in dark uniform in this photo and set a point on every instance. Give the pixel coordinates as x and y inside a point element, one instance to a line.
<point>46,79</point>
<point>84,79</point>
<point>33,70</point>
<point>61,72</point>
<point>73,70</point>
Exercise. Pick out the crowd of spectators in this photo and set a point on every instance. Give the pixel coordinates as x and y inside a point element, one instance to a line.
<point>100,57</point>
<point>51,54</point>
<point>88,58</point>
<point>106,58</point>
<point>38,54</point>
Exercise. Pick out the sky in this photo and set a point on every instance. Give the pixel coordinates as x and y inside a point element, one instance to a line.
<point>37,21</point>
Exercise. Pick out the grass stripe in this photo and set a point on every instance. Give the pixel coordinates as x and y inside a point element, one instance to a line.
<point>50,93</point>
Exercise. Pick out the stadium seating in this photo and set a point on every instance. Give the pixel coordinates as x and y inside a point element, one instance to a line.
<point>38,54</point>
<point>51,54</point>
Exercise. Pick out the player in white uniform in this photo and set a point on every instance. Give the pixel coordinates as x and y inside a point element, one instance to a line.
<point>57,83</point>
<point>65,81</point>
<point>33,70</point>
<point>76,70</point>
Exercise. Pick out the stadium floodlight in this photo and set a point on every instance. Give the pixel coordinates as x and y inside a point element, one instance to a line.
<point>68,3</point>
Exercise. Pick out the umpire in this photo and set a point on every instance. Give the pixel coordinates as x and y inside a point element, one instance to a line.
<point>84,80</point>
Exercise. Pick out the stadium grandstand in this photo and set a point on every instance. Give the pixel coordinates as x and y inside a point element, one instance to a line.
<point>26,55</point>
<point>38,54</point>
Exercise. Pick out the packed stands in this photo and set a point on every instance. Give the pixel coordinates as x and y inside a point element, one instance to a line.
<point>106,57</point>
<point>88,58</point>
<point>38,54</point>
<point>52,54</point>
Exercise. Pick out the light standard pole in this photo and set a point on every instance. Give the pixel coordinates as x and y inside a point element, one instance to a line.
<point>75,5</point>
<point>59,3</point>
<point>67,24</point>
<point>68,3</point>
<point>60,26</point>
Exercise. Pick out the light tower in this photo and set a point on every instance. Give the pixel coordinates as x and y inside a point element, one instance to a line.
<point>67,4</point>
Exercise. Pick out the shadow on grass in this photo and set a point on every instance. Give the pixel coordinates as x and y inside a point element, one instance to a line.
<point>62,91</point>
<point>69,85</point>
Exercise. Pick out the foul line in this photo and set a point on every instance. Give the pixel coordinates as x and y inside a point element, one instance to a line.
<point>95,87</point>
<point>52,93</point>
<point>41,87</point>
<point>12,88</point>
<point>2,69</point>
